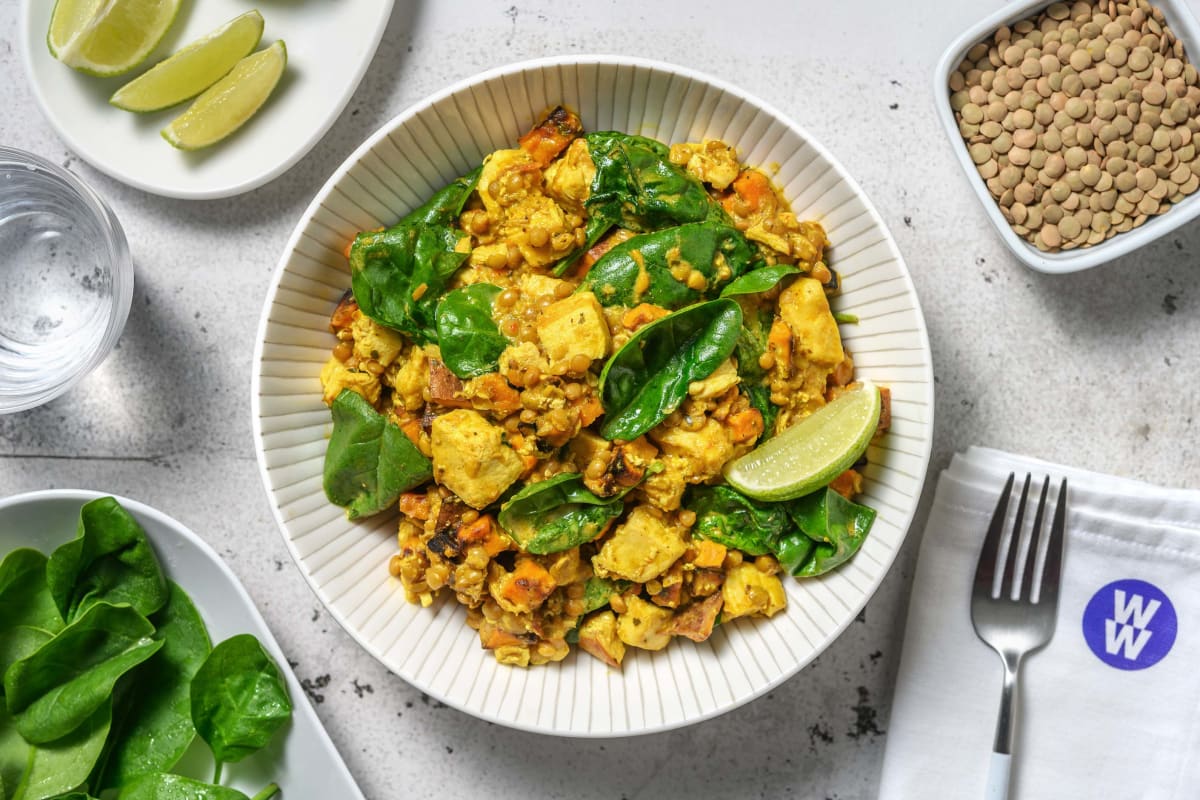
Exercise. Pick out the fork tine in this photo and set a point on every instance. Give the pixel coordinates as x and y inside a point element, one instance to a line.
<point>985,570</point>
<point>1054,551</point>
<point>1010,567</point>
<point>1035,540</point>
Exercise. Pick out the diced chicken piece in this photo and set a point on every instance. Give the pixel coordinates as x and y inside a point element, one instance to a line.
<point>723,378</point>
<point>494,188</point>
<point>373,341</point>
<point>711,161</point>
<point>522,590</point>
<point>749,591</point>
<point>702,451</point>
<point>697,620</point>
<point>528,216</point>
<point>470,457</point>
<point>640,549</point>
<point>552,135</point>
<point>644,625</point>
<point>572,327</point>
<point>598,636</point>
<point>533,285</point>
<point>335,376</point>
<point>521,357</point>
<point>665,488</point>
<point>569,179</point>
<point>588,447</point>
<point>411,381</point>
<point>805,309</point>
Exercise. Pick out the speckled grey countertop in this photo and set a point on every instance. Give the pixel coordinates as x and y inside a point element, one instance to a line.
<point>1097,369</point>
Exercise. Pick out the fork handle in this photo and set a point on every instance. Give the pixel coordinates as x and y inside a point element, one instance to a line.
<point>997,780</point>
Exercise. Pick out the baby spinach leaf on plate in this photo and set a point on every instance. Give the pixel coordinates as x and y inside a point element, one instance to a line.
<point>557,514</point>
<point>35,772</point>
<point>398,274</point>
<point>28,615</point>
<point>57,687</point>
<point>370,461</point>
<point>155,727</point>
<point>655,267</point>
<point>648,377</point>
<point>470,340</point>
<point>836,526</point>
<point>110,560</point>
<point>759,280</point>
<point>165,786</point>
<point>239,699</point>
<point>726,516</point>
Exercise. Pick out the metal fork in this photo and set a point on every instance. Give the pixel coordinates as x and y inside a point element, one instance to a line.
<point>1009,617</point>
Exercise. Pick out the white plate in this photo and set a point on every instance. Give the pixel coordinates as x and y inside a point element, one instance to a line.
<point>399,167</point>
<point>301,759</point>
<point>329,47</point>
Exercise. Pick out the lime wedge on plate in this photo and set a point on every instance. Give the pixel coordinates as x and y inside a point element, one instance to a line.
<point>229,102</point>
<point>812,452</point>
<point>193,69</point>
<point>108,37</point>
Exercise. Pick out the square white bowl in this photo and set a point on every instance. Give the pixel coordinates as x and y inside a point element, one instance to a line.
<point>1183,24</point>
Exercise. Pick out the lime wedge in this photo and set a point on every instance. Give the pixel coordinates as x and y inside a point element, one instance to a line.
<point>108,37</point>
<point>229,102</point>
<point>193,69</point>
<point>812,452</point>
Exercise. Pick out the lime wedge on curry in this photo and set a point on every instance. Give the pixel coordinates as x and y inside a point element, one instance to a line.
<point>108,37</point>
<point>193,69</point>
<point>229,102</point>
<point>812,452</point>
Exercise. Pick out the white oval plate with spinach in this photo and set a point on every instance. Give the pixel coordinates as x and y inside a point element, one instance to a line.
<point>301,759</point>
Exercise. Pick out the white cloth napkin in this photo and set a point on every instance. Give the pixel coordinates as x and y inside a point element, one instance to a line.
<point>1123,726</point>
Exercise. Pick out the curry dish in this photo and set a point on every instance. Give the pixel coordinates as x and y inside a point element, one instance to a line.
<point>545,369</point>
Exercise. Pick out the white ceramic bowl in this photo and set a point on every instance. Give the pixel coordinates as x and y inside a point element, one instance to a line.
<point>301,758</point>
<point>399,167</point>
<point>1181,20</point>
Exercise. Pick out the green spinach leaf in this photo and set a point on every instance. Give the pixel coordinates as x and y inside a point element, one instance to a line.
<point>759,280</point>
<point>155,727</point>
<point>655,267</point>
<point>597,591</point>
<point>239,699</point>
<point>556,514</point>
<point>470,340</point>
<point>648,377</point>
<point>398,274</point>
<point>836,526</point>
<point>165,786</point>
<point>28,614</point>
<point>637,187</point>
<point>751,345</point>
<point>370,461</point>
<point>726,516</point>
<point>110,560</point>
<point>35,772</point>
<point>56,688</point>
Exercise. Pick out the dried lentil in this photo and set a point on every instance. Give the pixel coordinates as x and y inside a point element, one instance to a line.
<point>1081,119</point>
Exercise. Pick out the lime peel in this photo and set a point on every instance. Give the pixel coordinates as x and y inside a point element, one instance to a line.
<point>108,38</point>
<point>192,69</point>
<point>811,453</point>
<point>229,102</point>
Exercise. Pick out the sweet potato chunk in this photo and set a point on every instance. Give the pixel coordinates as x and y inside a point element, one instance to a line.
<point>551,136</point>
<point>697,620</point>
